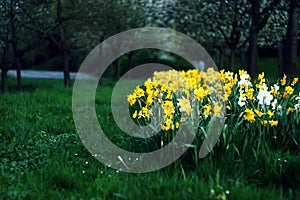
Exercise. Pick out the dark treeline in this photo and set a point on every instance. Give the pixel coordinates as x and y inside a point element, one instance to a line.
<point>57,34</point>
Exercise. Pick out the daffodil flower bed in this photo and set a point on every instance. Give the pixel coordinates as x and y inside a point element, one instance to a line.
<point>178,93</point>
<point>254,105</point>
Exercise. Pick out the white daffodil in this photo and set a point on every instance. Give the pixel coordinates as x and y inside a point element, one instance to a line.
<point>297,107</point>
<point>274,104</point>
<point>245,77</point>
<point>275,87</point>
<point>279,109</point>
<point>242,101</point>
<point>298,98</point>
<point>244,82</point>
<point>264,97</point>
<point>263,87</point>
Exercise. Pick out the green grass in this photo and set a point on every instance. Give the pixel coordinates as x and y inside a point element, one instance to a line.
<point>41,156</point>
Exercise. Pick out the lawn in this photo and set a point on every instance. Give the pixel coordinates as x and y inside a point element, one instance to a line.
<point>269,65</point>
<point>41,156</point>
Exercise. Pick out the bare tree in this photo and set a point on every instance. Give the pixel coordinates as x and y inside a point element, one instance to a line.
<point>14,40</point>
<point>4,67</point>
<point>62,44</point>
<point>258,20</point>
<point>15,19</point>
<point>291,41</point>
<point>4,42</point>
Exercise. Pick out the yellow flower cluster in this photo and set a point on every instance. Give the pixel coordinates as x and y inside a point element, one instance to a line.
<point>179,92</point>
<point>202,94</point>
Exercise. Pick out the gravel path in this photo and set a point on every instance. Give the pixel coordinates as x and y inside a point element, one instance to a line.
<point>46,74</point>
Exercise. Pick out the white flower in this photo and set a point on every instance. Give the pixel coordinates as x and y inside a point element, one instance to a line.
<point>242,101</point>
<point>297,106</point>
<point>245,76</point>
<point>244,82</point>
<point>263,87</point>
<point>298,98</point>
<point>264,97</point>
<point>279,109</point>
<point>274,104</point>
<point>275,87</point>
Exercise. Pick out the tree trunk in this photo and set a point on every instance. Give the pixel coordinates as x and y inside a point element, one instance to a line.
<point>253,37</point>
<point>253,56</point>
<point>4,80</point>
<point>280,56</point>
<point>63,46</point>
<point>4,68</point>
<point>19,78</point>
<point>243,62</point>
<point>231,59</point>
<point>65,61</point>
<point>116,65</point>
<point>64,58</point>
<point>221,57</point>
<point>129,61</point>
<point>15,44</point>
<point>291,43</point>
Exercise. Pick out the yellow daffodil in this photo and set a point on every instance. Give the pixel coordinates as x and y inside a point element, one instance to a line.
<point>273,123</point>
<point>290,110</point>
<point>131,99</point>
<point>259,113</point>
<point>207,110</point>
<point>139,92</point>
<point>192,82</point>
<point>295,80</point>
<point>261,77</point>
<point>185,106</point>
<point>264,122</point>
<point>134,115</point>
<point>283,80</point>
<point>177,125</point>
<point>249,93</point>
<point>270,113</point>
<point>289,90</point>
<point>168,107</point>
<point>200,93</point>
<point>242,72</point>
<point>146,112</point>
<point>249,115</point>
<point>274,89</point>
<point>217,109</point>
